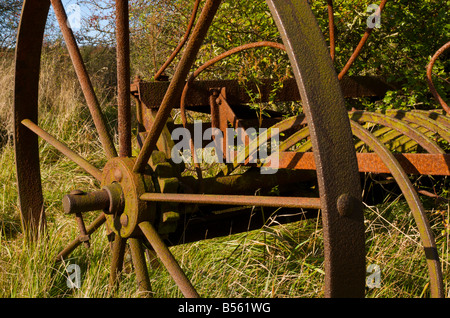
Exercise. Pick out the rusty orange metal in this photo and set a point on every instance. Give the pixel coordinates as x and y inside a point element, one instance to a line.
<point>416,164</point>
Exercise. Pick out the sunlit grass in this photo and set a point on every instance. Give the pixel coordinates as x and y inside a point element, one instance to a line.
<point>277,261</point>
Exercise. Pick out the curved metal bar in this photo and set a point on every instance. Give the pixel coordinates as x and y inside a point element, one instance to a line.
<point>395,138</point>
<point>420,138</point>
<point>381,132</point>
<point>430,79</point>
<point>176,84</point>
<point>389,132</point>
<point>360,44</point>
<point>331,29</point>
<point>216,59</point>
<point>293,139</point>
<point>387,137</point>
<point>426,235</point>
<point>288,123</point>
<point>182,42</point>
<point>26,85</point>
<point>337,167</point>
<point>420,120</point>
<point>440,118</point>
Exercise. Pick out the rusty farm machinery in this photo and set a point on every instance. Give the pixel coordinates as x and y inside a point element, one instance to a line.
<point>147,202</point>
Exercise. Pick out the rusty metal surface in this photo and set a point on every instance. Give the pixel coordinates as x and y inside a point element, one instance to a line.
<point>331,29</point>
<point>123,78</point>
<point>80,161</point>
<point>417,210</point>
<point>140,267</point>
<point>79,201</point>
<point>411,163</point>
<point>99,221</point>
<point>440,117</point>
<point>152,93</point>
<point>168,260</point>
<point>83,236</point>
<point>420,119</point>
<point>337,168</point>
<point>245,200</point>
<point>400,126</point>
<point>117,258</point>
<point>26,83</point>
<point>124,221</point>
<point>84,80</point>
<point>430,77</point>
<point>175,88</point>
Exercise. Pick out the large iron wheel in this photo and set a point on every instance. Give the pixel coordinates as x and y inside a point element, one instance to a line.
<point>128,192</point>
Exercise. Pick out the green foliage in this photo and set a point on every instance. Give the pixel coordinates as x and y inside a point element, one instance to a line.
<point>410,33</point>
<point>9,21</point>
<point>399,50</point>
<point>238,23</point>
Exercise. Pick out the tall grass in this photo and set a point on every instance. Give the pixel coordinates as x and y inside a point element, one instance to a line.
<point>276,261</point>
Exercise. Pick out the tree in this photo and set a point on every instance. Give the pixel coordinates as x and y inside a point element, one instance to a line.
<point>9,21</point>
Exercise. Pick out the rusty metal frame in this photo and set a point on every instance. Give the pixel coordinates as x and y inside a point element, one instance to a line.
<point>28,54</point>
<point>336,167</point>
<point>426,235</point>
<point>411,163</point>
<point>175,88</point>
<point>152,93</point>
<point>430,77</point>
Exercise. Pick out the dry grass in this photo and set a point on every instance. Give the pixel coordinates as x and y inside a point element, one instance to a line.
<point>277,261</point>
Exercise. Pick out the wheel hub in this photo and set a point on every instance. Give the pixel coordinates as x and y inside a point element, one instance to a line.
<point>124,221</point>
<point>119,198</point>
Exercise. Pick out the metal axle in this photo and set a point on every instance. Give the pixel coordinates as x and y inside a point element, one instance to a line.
<point>109,200</point>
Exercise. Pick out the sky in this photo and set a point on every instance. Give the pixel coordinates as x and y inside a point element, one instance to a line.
<point>77,11</point>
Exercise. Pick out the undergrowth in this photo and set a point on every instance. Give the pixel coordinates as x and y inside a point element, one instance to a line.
<point>275,261</point>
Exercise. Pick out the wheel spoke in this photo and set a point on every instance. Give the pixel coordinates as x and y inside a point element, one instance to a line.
<point>286,202</point>
<point>117,257</point>
<point>175,87</point>
<point>123,78</point>
<point>96,173</point>
<point>83,78</point>
<point>168,260</point>
<point>140,266</point>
